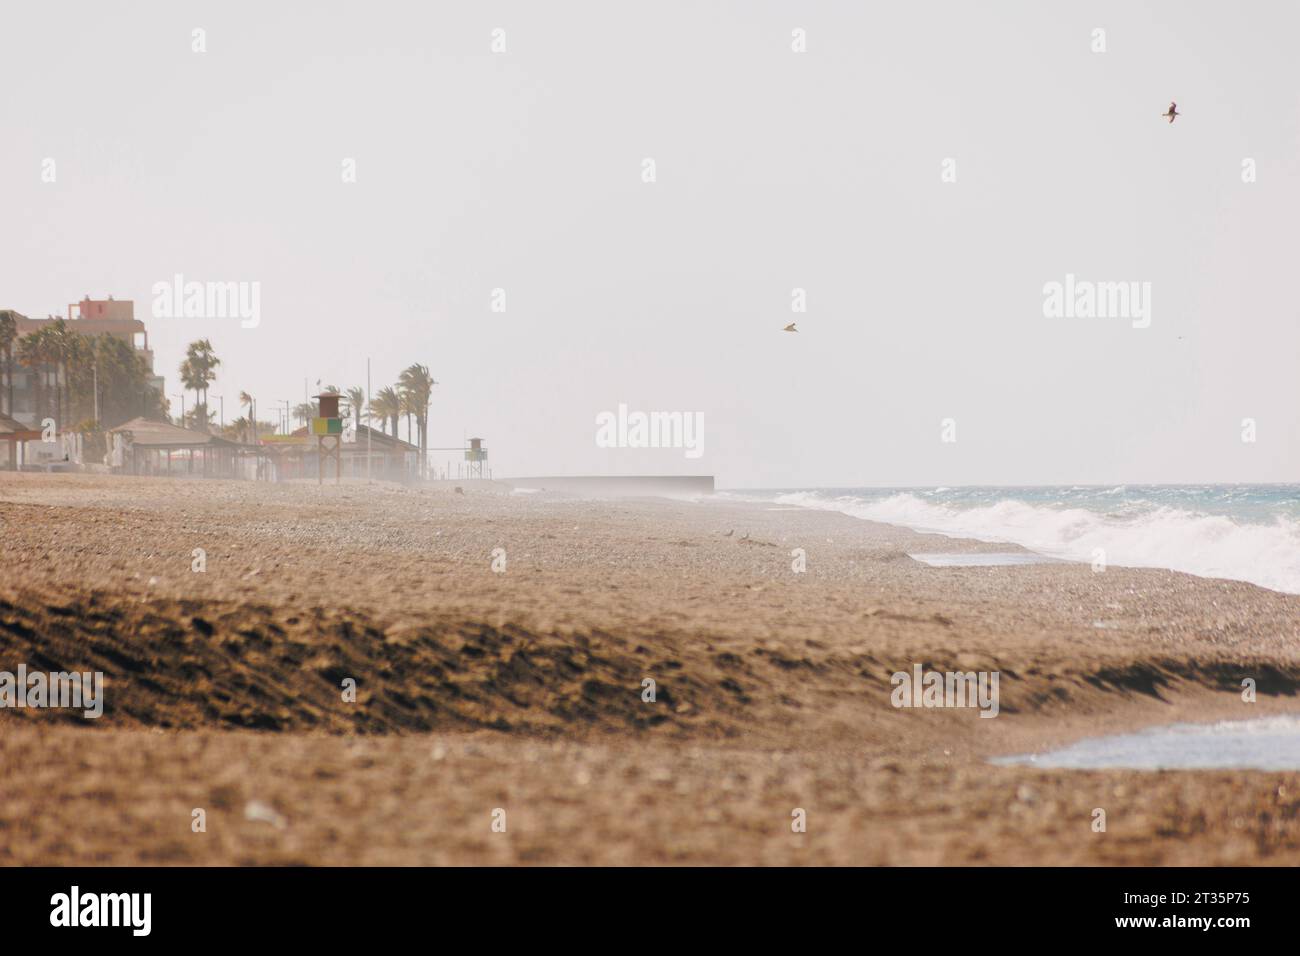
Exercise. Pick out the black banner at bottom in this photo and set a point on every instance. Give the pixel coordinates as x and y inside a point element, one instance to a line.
<point>336,905</point>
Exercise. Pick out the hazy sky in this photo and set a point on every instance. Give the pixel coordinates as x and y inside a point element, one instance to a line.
<point>775,170</point>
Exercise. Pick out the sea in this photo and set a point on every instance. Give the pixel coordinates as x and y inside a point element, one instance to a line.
<point>1265,743</point>
<point>1240,532</point>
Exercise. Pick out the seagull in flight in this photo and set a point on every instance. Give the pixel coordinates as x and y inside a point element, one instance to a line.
<point>1172,112</point>
<point>790,328</point>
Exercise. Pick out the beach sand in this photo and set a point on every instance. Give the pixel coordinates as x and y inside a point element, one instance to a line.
<point>521,691</point>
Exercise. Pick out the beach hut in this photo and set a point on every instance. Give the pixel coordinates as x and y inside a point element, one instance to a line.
<point>12,434</point>
<point>389,458</point>
<point>143,447</point>
<point>370,453</point>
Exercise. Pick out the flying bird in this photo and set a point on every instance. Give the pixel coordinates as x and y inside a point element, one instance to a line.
<point>1172,112</point>
<point>790,328</point>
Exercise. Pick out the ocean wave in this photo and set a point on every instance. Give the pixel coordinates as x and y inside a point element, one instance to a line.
<point>1212,546</point>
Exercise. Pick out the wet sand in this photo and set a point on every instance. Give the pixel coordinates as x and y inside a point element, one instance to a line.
<point>522,691</point>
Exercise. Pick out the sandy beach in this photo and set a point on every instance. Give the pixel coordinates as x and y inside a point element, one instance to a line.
<point>521,689</point>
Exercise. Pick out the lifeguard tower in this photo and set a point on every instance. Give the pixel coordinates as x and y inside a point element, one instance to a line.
<point>328,429</point>
<point>476,455</point>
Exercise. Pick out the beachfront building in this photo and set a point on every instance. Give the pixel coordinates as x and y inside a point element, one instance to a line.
<point>366,452</point>
<point>89,317</point>
<point>143,447</point>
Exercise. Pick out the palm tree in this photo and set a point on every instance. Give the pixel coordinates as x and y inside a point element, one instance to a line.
<point>305,412</point>
<point>388,407</point>
<point>199,370</point>
<point>357,399</point>
<point>34,352</point>
<point>28,355</point>
<point>80,366</point>
<point>53,362</point>
<point>199,418</point>
<point>238,429</point>
<point>72,366</point>
<point>124,388</point>
<point>417,388</point>
<point>246,399</point>
<point>62,348</point>
<point>190,379</point>
<point>408,410</point>
<point>8,333</point>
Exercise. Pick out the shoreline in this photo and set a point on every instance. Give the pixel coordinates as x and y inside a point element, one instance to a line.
<point>538,670</point>
<point>1092,534</point>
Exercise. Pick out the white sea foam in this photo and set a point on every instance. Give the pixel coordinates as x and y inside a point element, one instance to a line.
<point>1266,743</point>
<point>1213,546</point>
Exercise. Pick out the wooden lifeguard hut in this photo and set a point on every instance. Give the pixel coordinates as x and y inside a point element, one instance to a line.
<point>328,429</point>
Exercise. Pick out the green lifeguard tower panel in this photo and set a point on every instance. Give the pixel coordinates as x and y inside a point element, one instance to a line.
<point>328,429</point>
